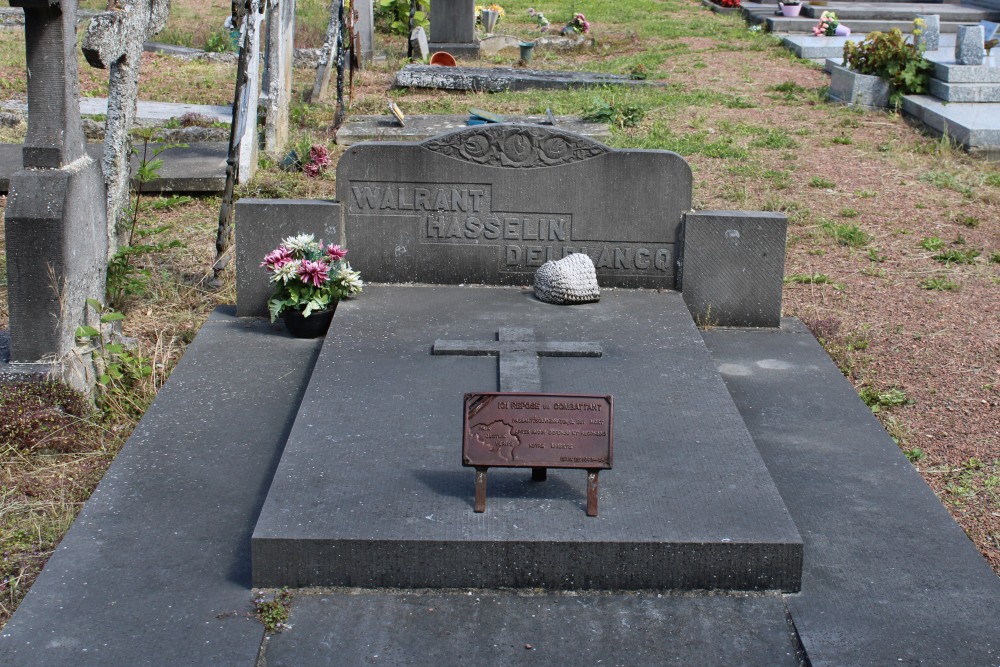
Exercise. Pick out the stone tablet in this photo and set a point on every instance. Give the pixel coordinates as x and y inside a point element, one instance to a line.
<point>490,204</point>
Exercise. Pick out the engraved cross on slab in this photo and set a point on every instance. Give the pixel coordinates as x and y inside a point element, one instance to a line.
<point>518,352</point>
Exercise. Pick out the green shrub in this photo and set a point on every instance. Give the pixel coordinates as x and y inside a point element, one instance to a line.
<point>890,56</point>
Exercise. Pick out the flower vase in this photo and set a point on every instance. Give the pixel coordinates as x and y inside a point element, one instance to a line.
<point>527,50</point>
<point>842,31</point>
<point>489,20</point>
<point>314,326</point>
<point>790,11</point>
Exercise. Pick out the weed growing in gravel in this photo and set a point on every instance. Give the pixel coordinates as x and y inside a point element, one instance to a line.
<point>995,258</point>
<point>851,236</point>
<point>932,243</point>
<point>875,256</point>
<point>820,182</point>
<point>954,256</point>
<point>809,279</point>
<point>889,398</point>
<point>939,283</point>
<point>915,454</point>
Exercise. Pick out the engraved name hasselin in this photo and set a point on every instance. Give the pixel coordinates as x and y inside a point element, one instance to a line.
<point>462,214</point>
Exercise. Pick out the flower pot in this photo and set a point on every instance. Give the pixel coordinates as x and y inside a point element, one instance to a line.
<point>790,10</point>
<point>842,31</point>
<point>862,90</point>
<point>443,58</point>
<point>313,326</point>
<point>527,50</point>
<point>489,20</point>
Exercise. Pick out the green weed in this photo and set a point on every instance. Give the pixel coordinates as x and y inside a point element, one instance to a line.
<point>939,283</point>
<point>932,243</point>
<point>851,236</point>
<point>954,256</point>
<point>808,279</point>
<point>820,182</point>
<point>273,613</point>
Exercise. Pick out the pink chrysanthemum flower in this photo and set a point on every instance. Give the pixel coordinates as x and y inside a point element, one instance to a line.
<point>316,273</point>
<point>336,253</point>
<point>277,258</point>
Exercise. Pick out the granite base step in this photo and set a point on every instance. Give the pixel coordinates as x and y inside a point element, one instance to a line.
<point>965,92</point>
<point>900,11</point>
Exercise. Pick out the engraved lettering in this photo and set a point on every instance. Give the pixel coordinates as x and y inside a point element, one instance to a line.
<point>534,256</point>
<point>455,228</point>
<point>511,230</point>
<point>477,200</point>
<point>388,199</point>
<point>460,200</point>
<point>420,196</point>
<point>513,253</point>
<point>605,260</point>
<point>642,258</point>
<point>435,225</point>
<point>619,258</point>
<point>403,204</point>
<point>370,195</point>
<point>473,227</point>
<point>530,232</point>
<point>557,230</point>
<point>492,230</point>
<point>662,260</point>
<point>441,203</point>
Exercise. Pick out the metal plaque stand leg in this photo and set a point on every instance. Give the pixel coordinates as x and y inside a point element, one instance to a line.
<point>592,492</point>
<point>481,488</point>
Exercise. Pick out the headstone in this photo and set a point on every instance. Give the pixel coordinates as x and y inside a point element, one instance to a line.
<point>55,224</point>
<point>969,49</point>
<point>453,28</point>
<point>277,85</point>
<point>246,122</point>
<point>364,31</point>
<point>419,38</point>
<point>930,34</point>
<point>114,41</point>
<point>332,43</point>
<point>492,203</point>
<point>503,79</point>
<point>260,226</point>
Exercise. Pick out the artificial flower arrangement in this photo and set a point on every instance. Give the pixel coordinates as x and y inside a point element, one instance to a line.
<point>827,25</point>
<point>579,24</point>
<point>491,8</point>
<point>308,277</point>
<point>543,23</point>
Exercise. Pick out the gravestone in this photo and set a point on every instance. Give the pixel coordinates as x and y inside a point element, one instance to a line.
<point>329,53</point>
<point>114,41</point>
<point>490,204</point>
<point>453,28</point>
<point>277,84</point>
<point>55,225</point>
<point>364,31</point>
<point>504,79</point>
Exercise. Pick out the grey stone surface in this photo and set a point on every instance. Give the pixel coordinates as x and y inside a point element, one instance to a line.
<point>969,48</point>
<point>279,52</point>
<point>261,224</point>
<point>200,167</point>
<point>860,90</point>
<point>371,492</point>
<point>505,628</point>
<point>419,128</point>
<point>453,22</point>
<point>930,34</point>
<point>974,125</point>
<point>501,79</point>
<point>156,569</point>
<point>490,204</point>
<point>905,11</point>
<point>889,578</point>
<point>569,280</point>
<point>951,72</point>
<point>733,265</point>
<point>146,110</point>
<point>965,92</point>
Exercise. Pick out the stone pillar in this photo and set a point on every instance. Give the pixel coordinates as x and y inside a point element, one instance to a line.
<point>969,49</point>
<point>55,223</point>
<point>453,27</point>
<point>247,122</point>
<point>277,85</point>
<point>364,30</point>
<point>930,35</point>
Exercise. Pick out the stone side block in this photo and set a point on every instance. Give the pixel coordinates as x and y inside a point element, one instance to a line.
<point>853,89</point>
<point>952,72</point>
<point>732,267</point>
<point>965,92</point>
<point>56,239</point>
<point>260,226</point>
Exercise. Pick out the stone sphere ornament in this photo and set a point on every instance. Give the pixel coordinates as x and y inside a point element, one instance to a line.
<point>572,279</point>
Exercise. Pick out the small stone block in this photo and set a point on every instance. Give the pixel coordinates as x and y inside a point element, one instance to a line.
<point>969,49</point>
<point>931,33</point>
<point>732,267</point>
<point>853,89</point>
<point>260,226</point>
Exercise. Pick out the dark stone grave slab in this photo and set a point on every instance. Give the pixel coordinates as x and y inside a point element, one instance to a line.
<point>371,492</point>
<point>453,28</point>
<point>199,167</point>
<point>502,79</point>
<point>419,128</point>
<point>506,628</point>
<point>490,204</point>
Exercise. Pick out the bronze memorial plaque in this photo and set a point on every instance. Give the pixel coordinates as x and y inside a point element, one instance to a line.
<point>537,431</point>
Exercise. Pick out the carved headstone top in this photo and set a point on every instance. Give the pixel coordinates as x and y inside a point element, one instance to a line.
<point>490,204</point>
<point>571,279</point>
<point>517,146</point>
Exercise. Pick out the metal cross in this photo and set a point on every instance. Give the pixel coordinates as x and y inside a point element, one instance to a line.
<point>518,352</point>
